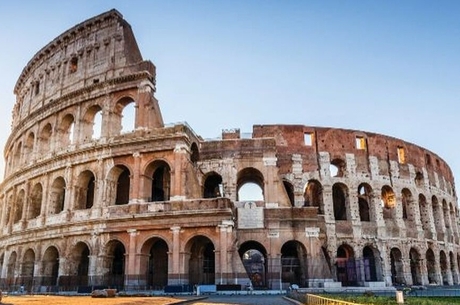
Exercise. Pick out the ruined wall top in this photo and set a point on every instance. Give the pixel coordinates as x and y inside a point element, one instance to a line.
<point>94,51</point>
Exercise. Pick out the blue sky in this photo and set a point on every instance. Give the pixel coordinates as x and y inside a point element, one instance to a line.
<point>390,67</point>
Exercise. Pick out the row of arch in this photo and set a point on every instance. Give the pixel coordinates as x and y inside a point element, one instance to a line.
<point>67,129</point>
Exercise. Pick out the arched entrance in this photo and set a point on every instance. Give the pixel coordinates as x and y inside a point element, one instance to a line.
<point>27,270</point>
<point>346,266</point>
<point>444,267</point>
<point>201,262</point>
<point>156,264</point>
<point>116,264</point>
<point>370,264</point>
<point>397,272</point>
<point>415,267</point>
<point>50,266</point>
<point>431,267</point>
<point>294,263</point>
<point>254,258</point>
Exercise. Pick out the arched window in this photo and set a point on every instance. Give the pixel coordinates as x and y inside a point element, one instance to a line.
<point>85,190</point>
<point>123,185</point>
<point>338,168</point>
<point>313,195</point>
<point>346,266</point>
<point>397,271</point>
<point>65,132</point>
<point>254,258</point>
<point>159,183</point>
<point>212,186</point>
<point>45,138</point>
<point>250,185</point>
<point>364,200</point>
<point>91,125</point>
<point>35,203</point>
<point>18,207</point>
<point>388,202</point>
<point>340,200</point>
<point>407,205</point>
<point>57,196</point>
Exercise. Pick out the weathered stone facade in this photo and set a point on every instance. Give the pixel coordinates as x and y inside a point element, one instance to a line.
<point>87,200</point>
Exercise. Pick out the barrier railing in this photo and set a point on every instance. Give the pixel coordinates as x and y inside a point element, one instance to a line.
<point>317,300</point>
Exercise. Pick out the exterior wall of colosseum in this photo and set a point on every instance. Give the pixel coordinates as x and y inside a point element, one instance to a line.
<point>92,199</point>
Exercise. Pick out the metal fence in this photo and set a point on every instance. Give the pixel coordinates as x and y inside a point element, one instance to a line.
<point>317,300</point>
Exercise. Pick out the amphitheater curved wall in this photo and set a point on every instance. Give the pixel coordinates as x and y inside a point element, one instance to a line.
<point>90,198</point>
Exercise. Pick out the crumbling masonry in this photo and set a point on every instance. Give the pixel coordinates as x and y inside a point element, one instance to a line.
<point>90,198</point>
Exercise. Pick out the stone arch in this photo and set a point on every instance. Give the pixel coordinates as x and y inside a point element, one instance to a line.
<point>446,215</point>
<point>124,116</point>
<point>431,267</point>
<point>114,263</point>
<point>371,264</point>
<point>28,269</point>
<point>119,185</point>
<point>338,168</point>
<point>57,196</point>
<point>444,267</point>
<point>388,202</point>
<point>452,268</point>
<point>346,265</point>
<point>65,133</point>
<point>194,153</point>
<point>313,195</point>
<point>45,138</point>
<point>364,201</point>
<point>407,205</point>
<point>415,266</point>
<point>11,267</point>
<point>289,189</point>
<point>212,187</point>
<point>29,146</point>
<point>340,200</point>
<point>91,124</point>
<point>437,215</point>
<point>35,201</point>
<point>250,185</point>
<point>155,261</point>
<point>294,263</point>
<point>85,190</point>
<point>254,258</point>
<point>419,179</point>
<point>424,212</point>
<point>18,154</point>
<point>50,271</point>
<point>397,269</point>
<point>79,263</point>
<point>159,184</point>
<point>200,260</point>
<point>19,206</point>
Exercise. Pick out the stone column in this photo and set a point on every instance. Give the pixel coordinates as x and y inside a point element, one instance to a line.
<point>132,264</point>
<point>176,189</point>
<point>174,263</point>
<point>135,179</point>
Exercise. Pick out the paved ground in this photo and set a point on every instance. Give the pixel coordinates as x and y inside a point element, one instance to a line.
<point>244,300</point>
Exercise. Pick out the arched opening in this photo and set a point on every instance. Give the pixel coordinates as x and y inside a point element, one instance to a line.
<point>160,174</point>
<point>419,179</point>
<point>29,147</point>
<point>250,185</point>
<point>364,199</point>
<point>446,215</point>
<point>254,258</point>
<point>123,185</point>
<point>91,124</point>
<point>85,190</point>
<point>370,264</point>
<point>116,264</point>
<point>289,188</point>
<point>156,250</point>
<point>201,262</point>
<point>57,196</point>
<point>406,199</point>
<point>424,213</point>
<point>18,154</point>
<point>45,138</point>
<point>11,268</point>
<point>50,267</point>
<point>340,200</point>
<point>444,267</point>
<point>313,195</point>
<point>128,115</point>
<point>27,269</point>
<point>338,168</point>
<point>18,207</point>
<point>346,266</point>
<point>35,204</point>
<point>415,266</point>
<point>388,202</point>
<point>80,259</point>
<point>431,267</point>
<point>66,131</point>
<point>212,186</point>
<point>194,153</point>
<point>294,263</point>
<point>437,214</point>
<point>397,271</point>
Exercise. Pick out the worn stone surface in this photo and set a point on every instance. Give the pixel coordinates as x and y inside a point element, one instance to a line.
<point>156,205</point>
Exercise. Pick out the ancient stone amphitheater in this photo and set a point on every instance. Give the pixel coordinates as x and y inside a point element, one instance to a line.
<point>91,198</point>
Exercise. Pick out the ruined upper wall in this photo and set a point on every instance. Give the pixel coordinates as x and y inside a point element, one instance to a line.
<point>94,51</point>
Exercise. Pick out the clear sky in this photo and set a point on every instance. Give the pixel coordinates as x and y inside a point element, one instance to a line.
<point>391,67</point>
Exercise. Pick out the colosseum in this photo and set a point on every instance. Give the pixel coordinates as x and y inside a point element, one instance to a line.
<point>92,198</point>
